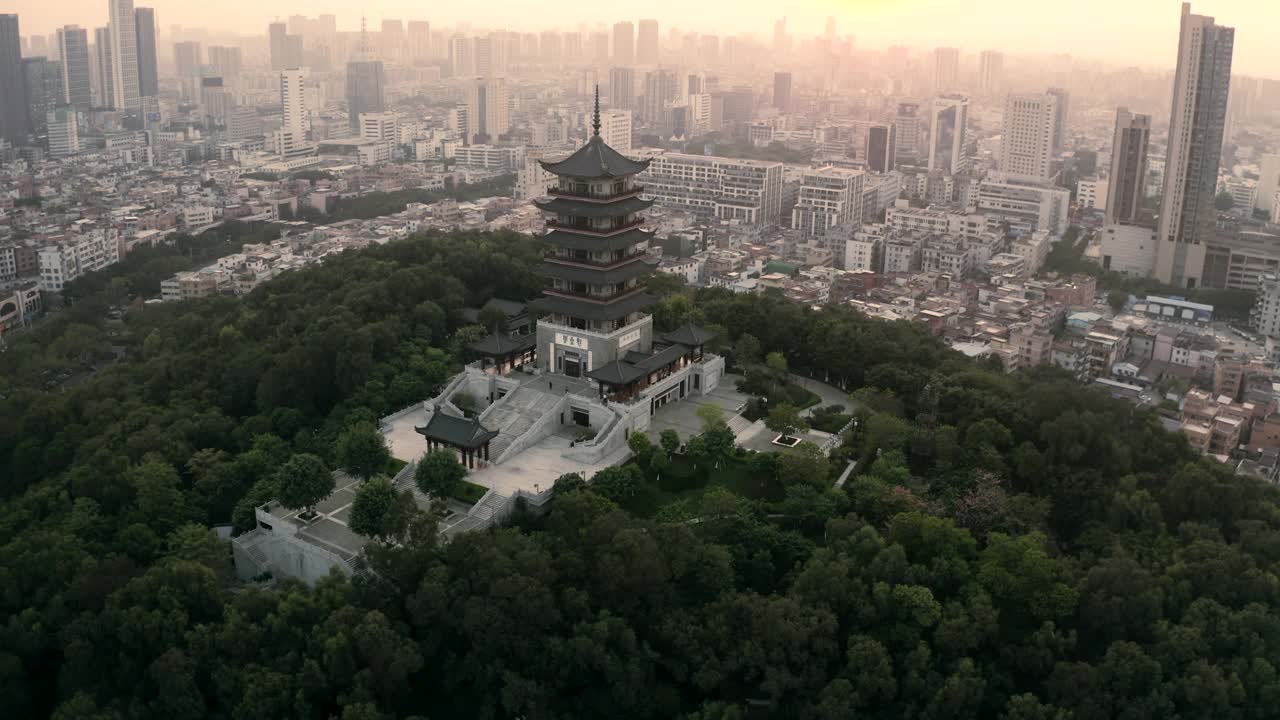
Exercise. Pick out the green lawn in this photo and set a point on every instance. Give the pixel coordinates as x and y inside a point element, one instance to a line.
<point>682,481</point>
<point>829,422</point>
<point>469,492</point>
<point>802,397</point>
<point>789,393</point>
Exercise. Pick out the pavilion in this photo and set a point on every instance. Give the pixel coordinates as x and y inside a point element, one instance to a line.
<point>466,435</point>
<point>503,353</point>
<point>624,379</point>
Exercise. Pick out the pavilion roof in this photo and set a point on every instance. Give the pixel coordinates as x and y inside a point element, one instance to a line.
<point>691,335</point>
<point>459,432</point>
<point>501,345</point>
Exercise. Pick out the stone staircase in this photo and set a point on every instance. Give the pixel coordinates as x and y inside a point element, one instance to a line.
<point>491,504</point>
<point>738,424</point>
<point>514,415</point>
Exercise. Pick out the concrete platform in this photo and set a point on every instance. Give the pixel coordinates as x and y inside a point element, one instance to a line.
<point>405,442</point>
<point>536,468</point>
<point>683,416</point>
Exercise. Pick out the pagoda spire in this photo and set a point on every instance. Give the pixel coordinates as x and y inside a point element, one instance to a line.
<point>595,118</point>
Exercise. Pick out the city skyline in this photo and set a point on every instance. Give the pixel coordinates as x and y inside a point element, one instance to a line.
<point>1137,33</point>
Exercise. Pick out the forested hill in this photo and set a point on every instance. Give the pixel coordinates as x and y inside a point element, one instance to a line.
<point>1011,547</point>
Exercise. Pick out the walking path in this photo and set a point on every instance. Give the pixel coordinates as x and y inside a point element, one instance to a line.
<point>830,394</point>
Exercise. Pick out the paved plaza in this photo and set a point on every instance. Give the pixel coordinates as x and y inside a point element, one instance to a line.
<point>683,416</point>
<point>536,468</point>
<point>406,443</point>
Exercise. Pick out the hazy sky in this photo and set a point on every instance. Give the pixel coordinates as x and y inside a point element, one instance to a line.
<point>1142,32</point>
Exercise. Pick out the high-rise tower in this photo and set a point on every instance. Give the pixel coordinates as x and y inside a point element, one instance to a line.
<point>1027,144</point>
<point>104,78</point>
<point>946,69</point>
<point>947,131</point>
<point>990,72</point>
<point>782,91</point>
<point>14,123</point>
<point>148,70</point>
<point>364,82</point>
<point>647,43</point>
<point>1196,125</point>
<point>77,85</point>
<point>124,55</point>
<point>624,43</point>
<point>1128,167</point>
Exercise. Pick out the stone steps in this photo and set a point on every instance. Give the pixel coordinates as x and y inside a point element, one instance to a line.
<point>738,424</point>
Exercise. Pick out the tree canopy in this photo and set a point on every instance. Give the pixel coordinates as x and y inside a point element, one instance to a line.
<point>1006,546</point>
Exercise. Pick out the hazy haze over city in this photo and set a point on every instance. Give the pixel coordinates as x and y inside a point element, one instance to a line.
<point>1140,32</point>
<point>720,360</point>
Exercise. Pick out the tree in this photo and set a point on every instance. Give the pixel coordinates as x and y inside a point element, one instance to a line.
<point>777,363</point>
<point>1223,202</point>
<point>303,481</point>
<point>362,451</point>
<point>785,419</point>
<point>378,511</point>
<point>804,464</point>
<point>493,319</point>
<point>439,473</point>
<point>746,350</point>
<point>670,441</point>
<point>568,483</point>
<point>659,462</point>
<point>619,483</point>
<point>641,447</point>
<point>710,415</point>
<point>1117,299</point>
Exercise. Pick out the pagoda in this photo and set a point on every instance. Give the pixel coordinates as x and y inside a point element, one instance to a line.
<point>595,303</point>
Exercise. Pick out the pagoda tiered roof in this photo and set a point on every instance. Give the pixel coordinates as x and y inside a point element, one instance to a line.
<point>589,309</point>
<point>569,205</point>
<point>575,241</point>
<point>595,161</point>
<point>634,267</point>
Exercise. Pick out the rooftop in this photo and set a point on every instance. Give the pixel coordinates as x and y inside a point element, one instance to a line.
<point>595,160</point>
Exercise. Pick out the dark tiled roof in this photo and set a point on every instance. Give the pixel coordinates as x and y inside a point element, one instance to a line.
<point>617,373</point>
<point>662,358</point>
<point>595,160</point>
<point>580,208</point>
<point>577,273</point>
<point>690,334</point>
<point>576,241</point>
<point>588,310</point>
<point>512,308</point>
<point>496,345</point>
<point>456,431</point>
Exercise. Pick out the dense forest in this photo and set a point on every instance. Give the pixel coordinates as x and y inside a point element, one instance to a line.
<point>1015,547</point>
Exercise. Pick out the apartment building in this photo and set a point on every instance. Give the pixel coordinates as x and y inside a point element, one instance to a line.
<point>715,188</point>
<point>64,261</point>
<point>829,197</point>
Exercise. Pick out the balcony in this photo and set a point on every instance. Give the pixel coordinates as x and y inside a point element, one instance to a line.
<point>591,297</point>
<point>584,229</point>
<point>595,197</point>
<point>592,264</point>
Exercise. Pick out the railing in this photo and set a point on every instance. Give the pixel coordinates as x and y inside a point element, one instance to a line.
<point>589,197</point>
<point>598,299</point>
<point>598,232</point>
<point>829,444</point>
<point>590,264</point>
